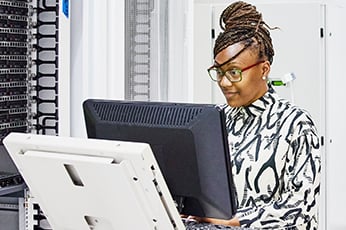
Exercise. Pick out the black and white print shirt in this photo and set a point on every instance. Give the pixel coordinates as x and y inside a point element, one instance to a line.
<point>276,164</point>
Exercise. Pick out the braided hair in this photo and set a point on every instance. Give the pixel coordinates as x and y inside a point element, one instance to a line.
<point>241,22</point>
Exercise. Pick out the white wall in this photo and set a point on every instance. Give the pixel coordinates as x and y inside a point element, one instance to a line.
<point>180,50</point>
<point>335,123</point>
<point>97,55</point>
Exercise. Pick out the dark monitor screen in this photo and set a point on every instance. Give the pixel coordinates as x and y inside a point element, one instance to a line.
<point>189,142</point>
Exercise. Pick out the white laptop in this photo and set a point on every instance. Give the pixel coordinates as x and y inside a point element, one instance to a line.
<point>89,184</point>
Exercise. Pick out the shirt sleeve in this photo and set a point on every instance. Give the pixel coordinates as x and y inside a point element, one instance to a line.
<point>297,203</point>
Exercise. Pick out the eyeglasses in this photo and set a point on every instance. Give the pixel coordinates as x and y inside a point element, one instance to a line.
<point>233,75</point>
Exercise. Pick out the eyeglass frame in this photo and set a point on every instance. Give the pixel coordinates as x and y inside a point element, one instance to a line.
<point>214,67</point>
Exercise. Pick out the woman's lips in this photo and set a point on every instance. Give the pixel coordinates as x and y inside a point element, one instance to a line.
<point>230,94</point>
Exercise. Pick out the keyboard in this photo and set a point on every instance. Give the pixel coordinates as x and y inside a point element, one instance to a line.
<point>193,225</point>
<point>11,182</point>
<point>10,179</point>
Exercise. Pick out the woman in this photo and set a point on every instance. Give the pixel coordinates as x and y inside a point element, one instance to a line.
<point>274,145</point>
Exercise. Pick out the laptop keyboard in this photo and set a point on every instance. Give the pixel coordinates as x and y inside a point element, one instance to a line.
<point>8,179</point>
<point>193,225</point>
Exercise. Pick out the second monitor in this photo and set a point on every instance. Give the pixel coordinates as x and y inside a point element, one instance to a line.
<point>189,142</point>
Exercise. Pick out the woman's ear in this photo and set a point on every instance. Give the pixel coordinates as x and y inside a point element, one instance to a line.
<point>266,68</point>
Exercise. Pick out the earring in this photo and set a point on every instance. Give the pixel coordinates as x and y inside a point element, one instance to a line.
<point>264,77</point>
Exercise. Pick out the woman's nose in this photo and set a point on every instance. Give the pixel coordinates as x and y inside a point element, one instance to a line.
<point>224,81</point>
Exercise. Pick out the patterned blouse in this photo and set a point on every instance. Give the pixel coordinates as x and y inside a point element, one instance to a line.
<point>276,164</point>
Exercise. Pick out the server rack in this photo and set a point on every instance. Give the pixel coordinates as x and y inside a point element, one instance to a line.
<point>146,49</point>
<point>29,66</point>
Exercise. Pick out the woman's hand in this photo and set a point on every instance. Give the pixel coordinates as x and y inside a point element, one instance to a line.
<point>231,222</point>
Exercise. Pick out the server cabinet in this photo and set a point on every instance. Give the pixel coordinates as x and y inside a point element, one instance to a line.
<point>33,56</point>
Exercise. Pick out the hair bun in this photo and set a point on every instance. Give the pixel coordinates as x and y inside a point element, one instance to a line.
<point>241,21</point>
<point>240,14</point>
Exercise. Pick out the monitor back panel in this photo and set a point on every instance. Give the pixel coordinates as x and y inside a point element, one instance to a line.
<point>94,184</point>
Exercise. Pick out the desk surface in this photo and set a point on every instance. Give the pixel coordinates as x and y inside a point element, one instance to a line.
<point>192,225</point>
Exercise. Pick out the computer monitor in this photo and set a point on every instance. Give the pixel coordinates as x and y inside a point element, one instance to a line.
<point>189,142</point>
